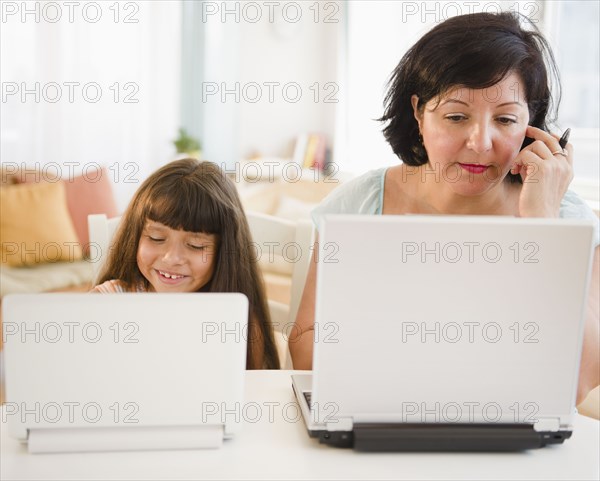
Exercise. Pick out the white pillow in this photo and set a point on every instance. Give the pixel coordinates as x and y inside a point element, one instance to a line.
<point>293,209</point>
<point>259,197</point>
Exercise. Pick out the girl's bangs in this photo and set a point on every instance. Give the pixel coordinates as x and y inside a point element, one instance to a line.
<point>188,208</point>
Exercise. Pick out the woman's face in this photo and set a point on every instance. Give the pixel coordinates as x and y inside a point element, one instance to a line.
<point>472,136</point>
<point>175,260</point>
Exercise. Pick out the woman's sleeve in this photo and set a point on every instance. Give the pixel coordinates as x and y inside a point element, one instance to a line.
<point>574,207</point>
<point>361,195</point>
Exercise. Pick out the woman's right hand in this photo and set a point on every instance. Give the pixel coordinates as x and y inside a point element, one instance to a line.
<point>546,169</point>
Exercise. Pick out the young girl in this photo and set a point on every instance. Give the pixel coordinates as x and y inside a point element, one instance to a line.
<point>185,231</point>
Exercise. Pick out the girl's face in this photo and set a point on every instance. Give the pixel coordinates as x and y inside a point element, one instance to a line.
<point>473,136</point>
<point>175,260</point>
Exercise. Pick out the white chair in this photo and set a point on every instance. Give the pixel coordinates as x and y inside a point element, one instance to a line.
<point>101,230</point>
<point>283,246</point>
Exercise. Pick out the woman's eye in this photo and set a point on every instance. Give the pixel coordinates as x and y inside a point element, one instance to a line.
<point>155,239</point>
<point>507,120</point>
<point>197,248</point>
<point>455,118</point>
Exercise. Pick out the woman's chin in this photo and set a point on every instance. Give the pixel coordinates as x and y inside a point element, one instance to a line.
<point>471,182</point>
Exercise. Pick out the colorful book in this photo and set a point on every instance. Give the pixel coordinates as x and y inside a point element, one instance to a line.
<point>311,148</point>
<point>320,154</point>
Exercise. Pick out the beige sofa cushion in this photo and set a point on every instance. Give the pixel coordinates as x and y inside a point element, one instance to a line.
<point>44,277</point>
<point>35,225</point>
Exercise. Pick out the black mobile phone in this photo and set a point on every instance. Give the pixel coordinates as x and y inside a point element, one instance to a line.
<point>564,139</point>
<point>527,141</point>
<point>516,178</point>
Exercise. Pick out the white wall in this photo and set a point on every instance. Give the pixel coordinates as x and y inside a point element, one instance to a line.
<point>296,56</point>
<point>269,74</point>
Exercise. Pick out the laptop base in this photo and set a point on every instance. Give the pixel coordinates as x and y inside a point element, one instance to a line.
<point>119,438</point>
<point>423,437</point>
<point>440,437</point>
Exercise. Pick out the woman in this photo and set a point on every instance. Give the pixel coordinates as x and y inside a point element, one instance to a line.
<point>467,112</point>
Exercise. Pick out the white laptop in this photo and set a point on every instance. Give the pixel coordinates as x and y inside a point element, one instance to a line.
<point>446,333</point>
<point>100,372</point>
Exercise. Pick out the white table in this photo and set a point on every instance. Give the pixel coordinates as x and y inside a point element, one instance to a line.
<point>279,448</point>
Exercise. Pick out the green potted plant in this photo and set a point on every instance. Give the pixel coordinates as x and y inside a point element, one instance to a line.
<point>188,145</point>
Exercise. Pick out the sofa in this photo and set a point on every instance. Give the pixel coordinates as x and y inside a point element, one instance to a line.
<point>44,243</point>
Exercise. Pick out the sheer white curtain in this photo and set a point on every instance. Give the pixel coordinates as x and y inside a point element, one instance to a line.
<point>574,31</point>
<point>91,83</point>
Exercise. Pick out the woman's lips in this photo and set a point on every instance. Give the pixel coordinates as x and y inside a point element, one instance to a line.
<point>474,168</point>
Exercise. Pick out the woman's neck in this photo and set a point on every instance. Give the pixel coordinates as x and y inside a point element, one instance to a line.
<point>428,196</point>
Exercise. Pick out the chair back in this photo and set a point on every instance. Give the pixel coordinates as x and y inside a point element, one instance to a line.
<point>283,247</point>
<point>102,231</point>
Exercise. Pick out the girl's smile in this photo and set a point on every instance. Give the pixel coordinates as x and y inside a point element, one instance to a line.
<point>175,260</point>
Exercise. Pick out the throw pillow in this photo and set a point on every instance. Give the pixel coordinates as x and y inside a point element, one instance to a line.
<point>89,194</point>
<point>35,225</point>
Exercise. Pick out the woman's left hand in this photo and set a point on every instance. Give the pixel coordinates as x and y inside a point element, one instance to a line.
<point>546,170</point>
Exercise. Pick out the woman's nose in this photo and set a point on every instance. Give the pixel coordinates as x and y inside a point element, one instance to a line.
<point>480,139</point>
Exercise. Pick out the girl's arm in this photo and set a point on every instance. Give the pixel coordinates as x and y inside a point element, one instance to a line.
<point>110,287</point>
<point>589,370</point>
<point>302,335</point>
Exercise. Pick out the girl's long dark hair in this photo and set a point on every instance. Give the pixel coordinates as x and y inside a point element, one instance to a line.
<point>198,197</point>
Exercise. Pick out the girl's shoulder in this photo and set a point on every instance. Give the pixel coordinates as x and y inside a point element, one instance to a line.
<point>113,286</point>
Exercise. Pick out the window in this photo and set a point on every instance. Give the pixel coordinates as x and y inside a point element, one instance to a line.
<point>92,84</point>
<point>573,30</point>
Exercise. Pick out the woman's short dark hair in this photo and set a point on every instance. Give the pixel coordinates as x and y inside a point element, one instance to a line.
<point>474,51</point>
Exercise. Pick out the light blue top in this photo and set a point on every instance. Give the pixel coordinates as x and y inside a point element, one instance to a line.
<point>364,195</point>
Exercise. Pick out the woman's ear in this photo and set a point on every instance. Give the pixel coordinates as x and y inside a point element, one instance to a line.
<point>414,100</point>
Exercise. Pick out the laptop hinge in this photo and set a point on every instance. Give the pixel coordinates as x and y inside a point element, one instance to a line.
<point>134,438</point>
<point>340,424</point>
<point>547,424</point>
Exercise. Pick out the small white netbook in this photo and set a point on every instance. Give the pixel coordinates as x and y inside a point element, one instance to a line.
<point>446,333</point>
<point>98,372</point>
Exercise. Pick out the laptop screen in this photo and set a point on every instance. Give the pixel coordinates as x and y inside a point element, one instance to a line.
<point>449,319</point>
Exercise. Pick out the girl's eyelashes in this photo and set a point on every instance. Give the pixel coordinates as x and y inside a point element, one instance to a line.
<point>197,247</point>
<point>196,241</point>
